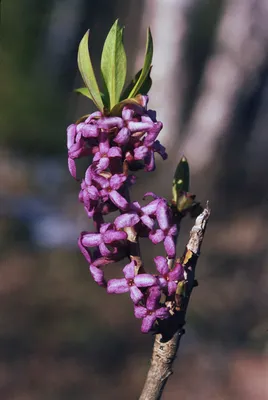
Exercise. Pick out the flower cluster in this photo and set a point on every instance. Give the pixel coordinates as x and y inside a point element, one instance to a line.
<point>117,145</point>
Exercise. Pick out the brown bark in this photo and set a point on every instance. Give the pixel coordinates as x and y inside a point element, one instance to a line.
<point>168,340</point>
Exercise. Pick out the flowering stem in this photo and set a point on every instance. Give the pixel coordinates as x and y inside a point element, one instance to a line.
<point>168,340</point>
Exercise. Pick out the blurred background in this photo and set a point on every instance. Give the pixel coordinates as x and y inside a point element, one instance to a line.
<point>61,336</point>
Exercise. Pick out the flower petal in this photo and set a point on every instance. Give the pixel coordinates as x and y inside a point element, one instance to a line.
<point>110,122</point>
<point>135,294</point>
<point>151,194</point>
<point>149,161</point>
<point>148,322</point>
<point>89,131</point>
<point>153,298</point>
<point>177,274</point>
<point>104,143</point>
<point>72,167</point>
<point>123,136</point>
<point>96,114</point>
<point>157,236</point>
<point>162,313</point>
<point>103,182</point>
<point>93,192</point>
<point>104,227</point>
<point>143,100</point>
<point>105,252</point>
<point>146,118</point>
<point>117,286</point>
<point>128,219</point>
<point>170,246</point>
<point>111,236</point>
<point>115,152</point>
<point>88,176</point>
<point>152,135</point>
<point>103,164</point>
<point>118,200</point>
<point>173,230</point>
<point>150,209</point>
<point>162,282</point>
<point>172,286</point>
<point>144,280</point>
<point>97,156</point>
<point>140,311</point>
<point>84,250</point>
<point>140,152</point>
<point>127,113</point>
<point>91,239</point>
<point>97,275</point>
<point>71,132</point>
<point>162,215</point>
<point>161,265</point>
<point>134,126</point>
<point>117,181</point>
<point>129,270</point>
<point>76,150</point>
<point>149,222</point>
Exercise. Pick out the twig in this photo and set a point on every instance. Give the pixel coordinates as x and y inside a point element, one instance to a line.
<point>167,341</point>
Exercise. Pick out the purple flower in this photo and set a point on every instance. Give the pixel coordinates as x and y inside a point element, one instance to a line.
<point>105,153</point>
<point>77,147</point>
<point>131,283</point>
<point>148,146</point>
<point>94,269</point>
<point>88,130</point>
<point>97,261</point>
<point>89,195</point>
<point>94,117</point>
<point>151,311</point>
<point>109,187</point>
<point>168,278</point>
<point>107,236</point>
<point>136,215</point>
<point>108,123</point>
<point>133,121</point>
<point>167,231</point>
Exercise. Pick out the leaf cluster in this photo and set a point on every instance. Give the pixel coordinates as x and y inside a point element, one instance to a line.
<point>113,73</point>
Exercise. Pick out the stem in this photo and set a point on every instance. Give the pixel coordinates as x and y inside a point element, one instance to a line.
<point>167,341</point>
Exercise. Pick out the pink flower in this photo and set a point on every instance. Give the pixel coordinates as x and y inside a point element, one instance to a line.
<point>105,153</point>
<point>131,283</point>
<point>167,231</point>
<point>152,311</point>
<point>107,236</point>
<point>168,278</point>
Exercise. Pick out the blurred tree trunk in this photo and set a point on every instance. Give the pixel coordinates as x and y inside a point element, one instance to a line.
<point>234,68</point>
<point>169,70</point>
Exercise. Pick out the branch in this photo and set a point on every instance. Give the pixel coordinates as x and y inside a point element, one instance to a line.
<point>167,341</point>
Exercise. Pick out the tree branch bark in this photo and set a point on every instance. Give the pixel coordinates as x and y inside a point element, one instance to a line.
<point>167,341</point>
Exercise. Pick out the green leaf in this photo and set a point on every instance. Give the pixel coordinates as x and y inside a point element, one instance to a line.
<point>117,109</point>
<point>87,72</point>
<point>114,63</point>
<point>84,91</point>
<point>146,86</point>
<point>146,66</point>
<point>181,180</point>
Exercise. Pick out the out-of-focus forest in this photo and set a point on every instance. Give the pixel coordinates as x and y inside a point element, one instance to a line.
<point>61,336</point>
